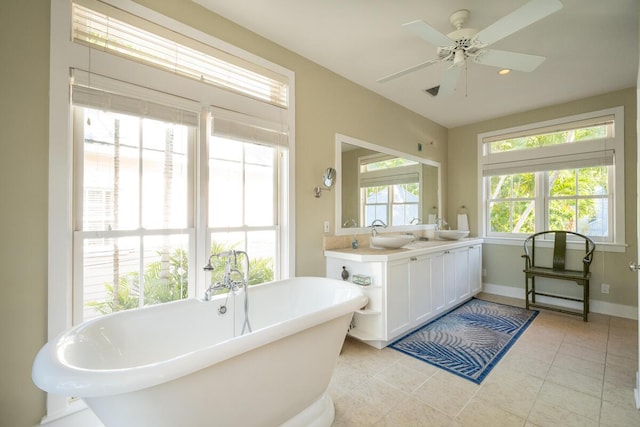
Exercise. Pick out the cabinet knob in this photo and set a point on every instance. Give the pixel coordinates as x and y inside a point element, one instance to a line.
<point>413,258</point>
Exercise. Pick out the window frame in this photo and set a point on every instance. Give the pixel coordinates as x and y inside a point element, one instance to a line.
<point>584,151</point>
<point>66,55</point>
<point>387,177</point>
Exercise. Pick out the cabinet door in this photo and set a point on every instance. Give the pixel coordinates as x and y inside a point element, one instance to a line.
<point>420,289</point>
<point>398,303</point>
<point>449,278</point>
<point>462,274</point>
<point>475,269</point>
<point>437,282</point>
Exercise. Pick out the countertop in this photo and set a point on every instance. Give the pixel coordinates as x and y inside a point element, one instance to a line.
<point>418,247</point>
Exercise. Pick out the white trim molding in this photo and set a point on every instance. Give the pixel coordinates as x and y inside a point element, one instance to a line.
<point>595,306</point>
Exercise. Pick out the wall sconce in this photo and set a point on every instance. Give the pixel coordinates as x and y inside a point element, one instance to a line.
<point>328,179</point>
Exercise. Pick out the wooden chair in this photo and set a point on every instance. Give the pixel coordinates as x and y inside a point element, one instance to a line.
<point>557,269</point>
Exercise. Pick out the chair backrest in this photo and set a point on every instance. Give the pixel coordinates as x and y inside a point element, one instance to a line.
<point>559,248</point>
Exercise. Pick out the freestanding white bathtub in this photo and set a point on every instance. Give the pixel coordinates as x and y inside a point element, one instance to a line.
<point>179,363</point>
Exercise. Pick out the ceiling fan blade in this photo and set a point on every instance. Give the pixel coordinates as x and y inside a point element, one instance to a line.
<point>513,60</point>
<point>428,33</point>
<point>518,19</point>
<point>406,71</point>
<point>449,80</point>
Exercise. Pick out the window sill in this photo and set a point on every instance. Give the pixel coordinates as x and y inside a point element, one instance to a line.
<point>600,246</point>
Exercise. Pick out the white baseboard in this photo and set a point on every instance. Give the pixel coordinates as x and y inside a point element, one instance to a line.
<point>595,306</point>
<point>636,391</point>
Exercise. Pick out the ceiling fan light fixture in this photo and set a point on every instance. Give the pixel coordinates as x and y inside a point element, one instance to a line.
<point>458,57</point>
<point>504,71</point>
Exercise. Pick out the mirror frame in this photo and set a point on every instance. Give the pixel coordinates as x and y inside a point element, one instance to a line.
<point>340,230</point>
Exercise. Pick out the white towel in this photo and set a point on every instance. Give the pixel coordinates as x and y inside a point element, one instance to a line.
<point>463,222</point>
<point>431,219</point>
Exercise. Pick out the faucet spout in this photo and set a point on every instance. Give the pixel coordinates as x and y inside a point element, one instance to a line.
<point>375,224</point>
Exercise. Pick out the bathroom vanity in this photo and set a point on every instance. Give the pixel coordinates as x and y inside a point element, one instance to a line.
<point>408,286</point>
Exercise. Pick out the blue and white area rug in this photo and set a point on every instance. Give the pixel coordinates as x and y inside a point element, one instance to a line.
<point>469,340</point>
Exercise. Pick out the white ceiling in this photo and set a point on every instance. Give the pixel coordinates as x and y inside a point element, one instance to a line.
<point>591,48</point>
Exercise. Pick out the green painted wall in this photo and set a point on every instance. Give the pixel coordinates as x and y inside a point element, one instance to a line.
<point>24,76</point>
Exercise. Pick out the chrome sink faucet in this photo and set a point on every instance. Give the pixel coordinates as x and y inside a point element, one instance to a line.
<point>441,224</point>
<point>375,224</point>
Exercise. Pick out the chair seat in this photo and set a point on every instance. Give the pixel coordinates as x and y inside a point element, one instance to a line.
<point>559,274</point>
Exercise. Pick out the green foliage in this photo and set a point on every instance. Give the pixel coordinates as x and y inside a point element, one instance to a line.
<point>167,280</point>
<point>575,200</point>
<point>549,139</point>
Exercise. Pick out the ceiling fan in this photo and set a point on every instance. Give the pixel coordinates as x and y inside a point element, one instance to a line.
<point>463,43</point>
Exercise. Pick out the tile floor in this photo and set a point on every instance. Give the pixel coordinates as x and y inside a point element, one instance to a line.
<point>561,372</point>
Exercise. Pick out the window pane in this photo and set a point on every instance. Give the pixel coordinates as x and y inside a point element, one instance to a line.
<point>512,186</point>
<point>403,214</point>
<point>512,217</point>
<point>123,155</point>
<point>406,193</point>
<point>593,181</point>
<point>225,183</point>
<point>260,179</point>
<point>562,183</point>
<point>524,217</point>
<point>373,212</point>
<point>259,245</point>
<point>377,195</point>
<point>242,184</point>
<point>562,214</point>
<point>111,171</point>
<point>593,217</point>
<point>114,268</point>
<point>552,138</point>
<point>164,175</point>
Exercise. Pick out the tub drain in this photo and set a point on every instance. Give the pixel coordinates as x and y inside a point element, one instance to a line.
<point>222,310</point>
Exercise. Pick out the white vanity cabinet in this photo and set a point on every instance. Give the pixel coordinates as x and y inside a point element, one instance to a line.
<point>408,287</point>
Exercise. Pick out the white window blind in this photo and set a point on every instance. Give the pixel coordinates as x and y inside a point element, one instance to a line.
<point>241,127</point>
<point>103,27</point>
<point>94,98</point>
<point>372,179</point>
<point>539,164</point>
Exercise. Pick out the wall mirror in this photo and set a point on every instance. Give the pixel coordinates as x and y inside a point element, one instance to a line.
<point>375,182</point>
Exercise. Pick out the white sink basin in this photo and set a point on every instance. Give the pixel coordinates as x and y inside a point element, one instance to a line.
<point>391,241</point>
<point>451,234</point>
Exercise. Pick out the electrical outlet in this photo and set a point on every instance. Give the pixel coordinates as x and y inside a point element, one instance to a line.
<point>484,272</point>
<point>604,288</point>
<point>326,226</point>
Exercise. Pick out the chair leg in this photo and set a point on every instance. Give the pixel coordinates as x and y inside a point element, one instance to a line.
<point>533,289</point>
<point>526,292</point>
<point>585,293</point>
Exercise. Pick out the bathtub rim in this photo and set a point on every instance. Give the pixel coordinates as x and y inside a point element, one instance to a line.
<point>54,376</point>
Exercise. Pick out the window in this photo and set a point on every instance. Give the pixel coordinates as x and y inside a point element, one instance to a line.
<point>129,196</point>
<point>561,175</point>
<point>133,226</point>
<point>153,195</point>
<point>245,157</point>
<point>389,189</point>
<point>109,29</point>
